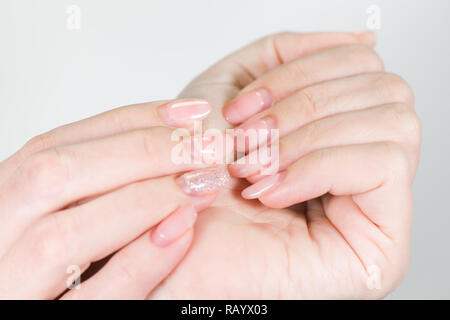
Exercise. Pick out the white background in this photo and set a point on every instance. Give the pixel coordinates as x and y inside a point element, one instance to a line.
<point>136,51</point>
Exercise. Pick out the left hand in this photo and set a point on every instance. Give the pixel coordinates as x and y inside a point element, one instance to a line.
<point>104,188</point>
<point>349,147</point>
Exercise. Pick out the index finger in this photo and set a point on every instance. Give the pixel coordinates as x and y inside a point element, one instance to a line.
<point>176,113</point>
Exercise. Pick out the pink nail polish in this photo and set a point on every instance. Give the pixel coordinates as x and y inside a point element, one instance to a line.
<point>246,105</point>
<point>183,113</point>
<point>259,188</point>
<point>173,226</point>
<point>251,164</point>
<point>209,149</point>
<point>253,134</point>
<point>205,181</point>
<point>243,170</point>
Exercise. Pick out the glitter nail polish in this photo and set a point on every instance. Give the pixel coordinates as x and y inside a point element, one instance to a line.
<point>205,181</point>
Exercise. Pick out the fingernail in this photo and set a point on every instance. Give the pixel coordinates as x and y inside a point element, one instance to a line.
<point>243,170</point>
<point>183,113</point>
<point>205,181</point>
<point>256,133</point>
<point>246,105</point>
<point>174,226</point>
<point>247,166</point>
<point>259,188</point>
<point>209,149</point>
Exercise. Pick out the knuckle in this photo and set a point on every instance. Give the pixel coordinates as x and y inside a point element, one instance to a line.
<point>311,133</point>
<point>127,268</point>
<point>38,143</point>
<point>308,104</point>
<point>148,138</point>
<point>274,37</point>
<point>48,238</point>
<point>396,156</point>
<point>365,56</point>
<point>122,119</point>
<point>271,44</point>
<point>297,71</point>
<point>154,140</point>
<point>407,121</point>
<point>45,171</point>
<point>396,88</point>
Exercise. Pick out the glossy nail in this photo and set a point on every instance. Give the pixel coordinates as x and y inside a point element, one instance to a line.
<point>246,105</point>
<point>243,170</point>
<point>174,226</point>
<point>209,149</point>
<point>182,113</point>
<point>255,133</point>
<point>205,181</point>
<point>261,187</point>
<point>246,166</point>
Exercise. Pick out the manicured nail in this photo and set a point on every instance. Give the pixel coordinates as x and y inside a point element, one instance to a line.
<point>183,113</point>
<point>209,149</point>
<point>249,165</point>
<point>246,105</point>
<point>174,226</point>
<point>259,188</point>
<point>243,170</point>
<point>253,134</point>
<point>205,181</point>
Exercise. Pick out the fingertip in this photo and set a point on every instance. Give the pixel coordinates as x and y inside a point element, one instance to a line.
<point>186,238</point>
<point>254,178</point>
<point>247,105</point>
<point>367,37</point>
<point>183,113</point>
<point>264,186</point>
<point>229,113</point>
<point>272,202</point>
<point>174,227</point>
<point>243,170</point>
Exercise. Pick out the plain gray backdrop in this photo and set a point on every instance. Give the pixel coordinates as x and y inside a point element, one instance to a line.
<point>135,51</point>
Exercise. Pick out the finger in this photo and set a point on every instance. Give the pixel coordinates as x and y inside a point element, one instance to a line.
<point>342,95</point>
<point>364,171</point>
<point>55,178</point>
<point>140,266</point>
<point>227,77</point>
<point>390,122</point>
<point>178,113</point>
<point>269,52</point>
<point>94,230</point>
<point>366,193</point>
<point>322,66</point>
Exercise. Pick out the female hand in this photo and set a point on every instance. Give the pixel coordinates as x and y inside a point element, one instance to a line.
<point>349,148</point>
<point>84,191</point>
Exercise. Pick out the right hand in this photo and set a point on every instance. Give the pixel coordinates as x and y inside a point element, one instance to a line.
<point>94,188</point>
<point>245,249</point>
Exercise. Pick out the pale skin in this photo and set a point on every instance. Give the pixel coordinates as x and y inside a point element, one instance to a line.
<point>349,147</point>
